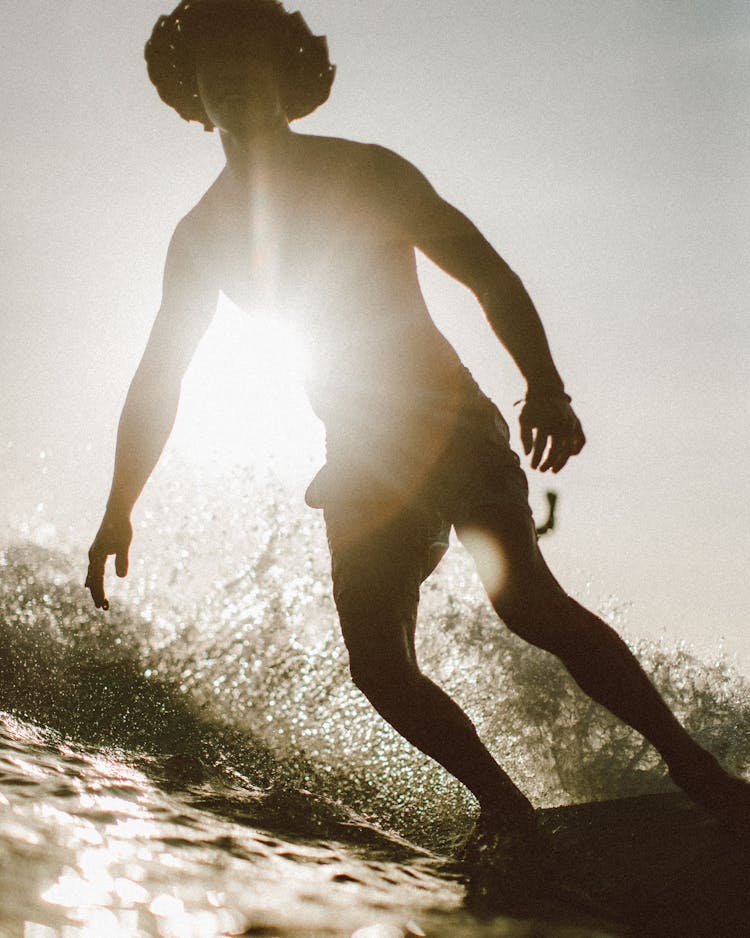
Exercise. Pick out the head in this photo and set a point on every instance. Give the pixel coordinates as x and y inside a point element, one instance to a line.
<point>222,62</point>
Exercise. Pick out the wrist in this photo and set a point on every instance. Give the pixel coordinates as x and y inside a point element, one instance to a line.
<point>117,509</point>
<point>547,391</point>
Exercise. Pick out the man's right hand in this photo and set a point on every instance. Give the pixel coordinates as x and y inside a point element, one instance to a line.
<point>113,537</point>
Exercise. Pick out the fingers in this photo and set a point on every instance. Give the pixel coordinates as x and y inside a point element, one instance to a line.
<point>579,440</point>
<point>559,454</point>
<point>562,447</point>
<point>95,579</point>
<point>555,431</point>
<point>540,444</point>
<point>527,437</point>
<point>121,562</point>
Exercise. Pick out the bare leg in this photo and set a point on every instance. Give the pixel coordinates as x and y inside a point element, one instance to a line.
<point>384,668</point>
<point>533,605</point>
<point>376,582</point>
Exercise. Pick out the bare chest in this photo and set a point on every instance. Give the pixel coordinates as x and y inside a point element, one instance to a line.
<point>284,248</point>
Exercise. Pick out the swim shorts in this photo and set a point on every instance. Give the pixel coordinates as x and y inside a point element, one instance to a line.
<point>388,523</point>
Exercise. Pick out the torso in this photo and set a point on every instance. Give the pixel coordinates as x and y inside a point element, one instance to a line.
<point>312,242</point>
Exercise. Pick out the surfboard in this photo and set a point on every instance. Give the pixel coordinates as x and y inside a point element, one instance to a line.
<point>653,865</point>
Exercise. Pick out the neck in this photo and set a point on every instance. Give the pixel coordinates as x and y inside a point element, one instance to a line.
<point>244,152</point>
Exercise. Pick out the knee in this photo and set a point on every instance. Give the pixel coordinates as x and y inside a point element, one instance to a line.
<point>538,616</point>
<point>555,622</point>
<point>535,630</point>
<point>382,676</point>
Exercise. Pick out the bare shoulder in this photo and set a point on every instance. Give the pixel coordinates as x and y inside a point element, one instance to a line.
<point>196,248</point>
<point>194,231</point>
<point>363,162</point>
<point>381,188</point>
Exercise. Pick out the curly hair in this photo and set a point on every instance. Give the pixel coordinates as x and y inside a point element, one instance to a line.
<point>303,68</point>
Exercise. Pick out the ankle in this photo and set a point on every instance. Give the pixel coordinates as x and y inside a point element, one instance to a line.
<point>502,807</point>
<point>691,763</point>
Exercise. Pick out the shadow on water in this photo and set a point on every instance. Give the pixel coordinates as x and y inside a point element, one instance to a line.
<point>91,679</point>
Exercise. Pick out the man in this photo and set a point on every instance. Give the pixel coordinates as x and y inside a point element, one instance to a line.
<point>324,231</point>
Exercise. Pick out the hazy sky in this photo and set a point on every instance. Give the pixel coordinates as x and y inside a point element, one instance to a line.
<point>602,145</point>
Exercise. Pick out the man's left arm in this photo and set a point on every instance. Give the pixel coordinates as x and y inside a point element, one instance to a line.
<point>453,242</point>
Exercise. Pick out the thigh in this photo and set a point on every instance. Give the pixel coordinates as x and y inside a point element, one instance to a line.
<point>379,558</point>
<point>505,536</point>
<point>523,591</point>
<point>488,498</point>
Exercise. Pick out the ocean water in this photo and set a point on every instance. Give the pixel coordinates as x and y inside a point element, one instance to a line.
<point>196,761</point>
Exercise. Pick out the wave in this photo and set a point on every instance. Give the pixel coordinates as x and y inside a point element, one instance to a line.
<point>221,659</point>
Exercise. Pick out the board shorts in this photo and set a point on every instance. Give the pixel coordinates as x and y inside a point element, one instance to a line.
<point>388,525</point>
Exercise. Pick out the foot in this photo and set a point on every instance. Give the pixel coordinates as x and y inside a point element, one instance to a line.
<point>500,862</point>
<point>712,788</point>
<point>500,835</point>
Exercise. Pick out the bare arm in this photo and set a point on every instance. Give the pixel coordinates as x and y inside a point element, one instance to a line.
<point>454,243</point>
<point>188,303</point>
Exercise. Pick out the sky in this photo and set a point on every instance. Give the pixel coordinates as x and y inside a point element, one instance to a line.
<point>603,147</point>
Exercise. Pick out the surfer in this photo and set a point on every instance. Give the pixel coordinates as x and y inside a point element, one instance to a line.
<point>324,230</point>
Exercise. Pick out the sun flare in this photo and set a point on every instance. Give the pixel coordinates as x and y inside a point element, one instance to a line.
<point>243,398</point>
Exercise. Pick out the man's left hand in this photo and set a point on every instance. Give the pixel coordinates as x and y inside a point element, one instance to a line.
<point>113,537</point>
<point>549,424</point>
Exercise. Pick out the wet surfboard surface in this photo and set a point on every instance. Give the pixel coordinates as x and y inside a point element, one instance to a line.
<point>653,865</point>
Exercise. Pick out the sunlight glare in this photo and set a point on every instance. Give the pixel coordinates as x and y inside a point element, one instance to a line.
<point>243,399</point>
<point>489,558</point>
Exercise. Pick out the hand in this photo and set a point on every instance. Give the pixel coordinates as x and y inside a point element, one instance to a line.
<point>113,537</point>
<point>549,419</point>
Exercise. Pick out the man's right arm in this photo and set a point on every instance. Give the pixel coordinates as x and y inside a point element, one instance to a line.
<point>188,304</point>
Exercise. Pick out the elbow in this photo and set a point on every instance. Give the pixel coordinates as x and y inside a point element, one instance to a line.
<point>497,284</point>
<point>153,383</point>
<point>158,373</point>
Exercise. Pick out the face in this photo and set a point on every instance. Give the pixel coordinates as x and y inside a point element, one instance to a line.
<point>237,83</point>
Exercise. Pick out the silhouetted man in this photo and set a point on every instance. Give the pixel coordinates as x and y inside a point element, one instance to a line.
<point>323,231</point>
